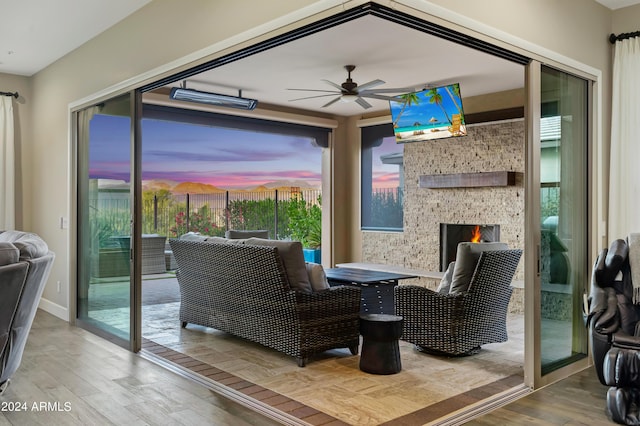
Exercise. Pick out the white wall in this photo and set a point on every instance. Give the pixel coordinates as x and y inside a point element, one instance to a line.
<point>626,20</point>
<point>152,37</point>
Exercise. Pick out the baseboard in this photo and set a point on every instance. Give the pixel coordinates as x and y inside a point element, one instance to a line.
<point>54,309</point>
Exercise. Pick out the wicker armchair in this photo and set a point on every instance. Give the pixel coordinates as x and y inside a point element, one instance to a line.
<point>458,324</point>
<point>244,290</point>
<point>153,259</point>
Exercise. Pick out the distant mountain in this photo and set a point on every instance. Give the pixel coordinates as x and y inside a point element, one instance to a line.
<point>286,184</point>
<point>203,188</point>
<point>156,185</point>
<point>195,188</point>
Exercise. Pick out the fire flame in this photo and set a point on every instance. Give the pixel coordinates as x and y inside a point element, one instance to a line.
<point>476,235</point>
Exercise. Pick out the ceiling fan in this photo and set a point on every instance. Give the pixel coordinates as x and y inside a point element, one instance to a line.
<point>350,91</point>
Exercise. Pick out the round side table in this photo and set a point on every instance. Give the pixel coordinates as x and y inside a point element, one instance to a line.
<point>380,352</point>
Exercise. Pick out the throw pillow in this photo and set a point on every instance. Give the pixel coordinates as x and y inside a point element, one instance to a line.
<point>445,282</point>
<point>467,257</point>
<point>317,276</point>
<point>293,260</point>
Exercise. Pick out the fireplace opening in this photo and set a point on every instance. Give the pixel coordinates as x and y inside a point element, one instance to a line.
<point>452,233</point>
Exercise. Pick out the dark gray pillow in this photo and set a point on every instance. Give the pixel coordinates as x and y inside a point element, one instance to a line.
<point>467,257</point>
<point>317,276</point>
<point>293,260</point>
<point>445,282</point>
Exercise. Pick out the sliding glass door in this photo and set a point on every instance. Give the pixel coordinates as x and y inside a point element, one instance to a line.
<point>105,212</point>
<point>564,141</point>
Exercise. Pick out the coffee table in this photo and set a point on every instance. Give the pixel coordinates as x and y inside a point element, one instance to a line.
<point>377,287</point>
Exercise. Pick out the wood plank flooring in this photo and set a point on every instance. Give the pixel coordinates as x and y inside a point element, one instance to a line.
<point>576,400</point>
<point>71,377</point>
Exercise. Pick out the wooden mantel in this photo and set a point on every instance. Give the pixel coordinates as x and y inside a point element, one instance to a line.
<point>468,180</point>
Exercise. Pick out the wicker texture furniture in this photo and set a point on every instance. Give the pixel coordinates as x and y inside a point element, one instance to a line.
<point>153,260</point>
<point>458,324</point>
<point>153,256</point>
<point>244,290</point>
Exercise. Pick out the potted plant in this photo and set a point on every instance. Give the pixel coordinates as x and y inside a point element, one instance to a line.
<point>305,225</point>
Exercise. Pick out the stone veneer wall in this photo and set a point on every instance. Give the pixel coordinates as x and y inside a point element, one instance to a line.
<point>498,146</point>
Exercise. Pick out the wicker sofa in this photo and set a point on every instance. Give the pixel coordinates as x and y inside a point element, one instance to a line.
<point>247,288</point>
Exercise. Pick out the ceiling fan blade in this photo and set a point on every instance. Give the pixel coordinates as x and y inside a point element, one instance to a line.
<point>317,90</point>
<point>337,86</point>
<point>369,85</point>
<point>331,102</point>
<point>364,104</point>
<point>381,97</point>
<point>312,97</point>
<point>397,90</point>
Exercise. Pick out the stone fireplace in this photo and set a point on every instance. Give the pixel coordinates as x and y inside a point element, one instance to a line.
<point>488,147</point>
<point>453,233</point>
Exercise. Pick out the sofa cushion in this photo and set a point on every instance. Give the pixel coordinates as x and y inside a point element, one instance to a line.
<point>233,234</point>
<point>317,276</point>
<point>445,282</point>
<point>193,236</point>
<point>8,254</point>
<point>292,259</point>
<point>467,257</point>
<point>30,245</point>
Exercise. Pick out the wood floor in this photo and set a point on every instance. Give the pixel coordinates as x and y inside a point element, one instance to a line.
<point>71,377</point>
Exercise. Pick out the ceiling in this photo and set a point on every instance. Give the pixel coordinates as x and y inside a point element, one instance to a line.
<point>618,4</point>
<point>400,56</point>
<point>36,33</point>
<point>39,33</point>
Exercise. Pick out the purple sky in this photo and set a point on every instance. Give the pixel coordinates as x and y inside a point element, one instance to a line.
<point>224,158</point>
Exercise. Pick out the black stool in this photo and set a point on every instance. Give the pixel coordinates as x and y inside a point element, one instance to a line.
<point>380,352</point>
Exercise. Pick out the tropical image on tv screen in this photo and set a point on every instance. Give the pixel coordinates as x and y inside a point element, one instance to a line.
<point>433,113</point>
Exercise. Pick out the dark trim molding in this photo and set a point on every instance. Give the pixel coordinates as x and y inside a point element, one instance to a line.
<point>495,115</point>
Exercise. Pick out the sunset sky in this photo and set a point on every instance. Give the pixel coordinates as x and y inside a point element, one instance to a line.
<point>224,158</point>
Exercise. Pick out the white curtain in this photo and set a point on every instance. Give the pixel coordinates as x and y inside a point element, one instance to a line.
<point>7,165</point>
<point>624,166</point>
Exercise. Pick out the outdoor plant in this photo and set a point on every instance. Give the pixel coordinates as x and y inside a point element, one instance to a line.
<point>305,221</point>
<point>105,224</point>
<point>198,221</point>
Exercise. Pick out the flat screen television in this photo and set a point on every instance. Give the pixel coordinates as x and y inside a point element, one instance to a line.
<point>433,113</point>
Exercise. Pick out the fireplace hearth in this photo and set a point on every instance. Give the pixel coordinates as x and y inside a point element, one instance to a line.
<point>453,233</point>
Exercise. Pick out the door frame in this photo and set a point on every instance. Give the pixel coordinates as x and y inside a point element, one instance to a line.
<point>449,19</point>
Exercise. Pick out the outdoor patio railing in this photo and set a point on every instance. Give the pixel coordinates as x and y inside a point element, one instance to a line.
<point>172,215</point>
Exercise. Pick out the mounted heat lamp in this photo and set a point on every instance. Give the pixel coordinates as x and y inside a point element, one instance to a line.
<point>216,99</point>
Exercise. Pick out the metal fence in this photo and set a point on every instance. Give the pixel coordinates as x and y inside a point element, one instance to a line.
<point>214,213</point>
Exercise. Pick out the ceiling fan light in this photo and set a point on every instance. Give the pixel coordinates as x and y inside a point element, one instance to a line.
<point>348,98</point>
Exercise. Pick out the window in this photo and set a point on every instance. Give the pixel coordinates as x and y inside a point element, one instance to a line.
<point>382,179</point>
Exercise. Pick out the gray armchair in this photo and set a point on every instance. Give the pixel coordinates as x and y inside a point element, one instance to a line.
<point>25,263</point>
<point>459,323</point>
